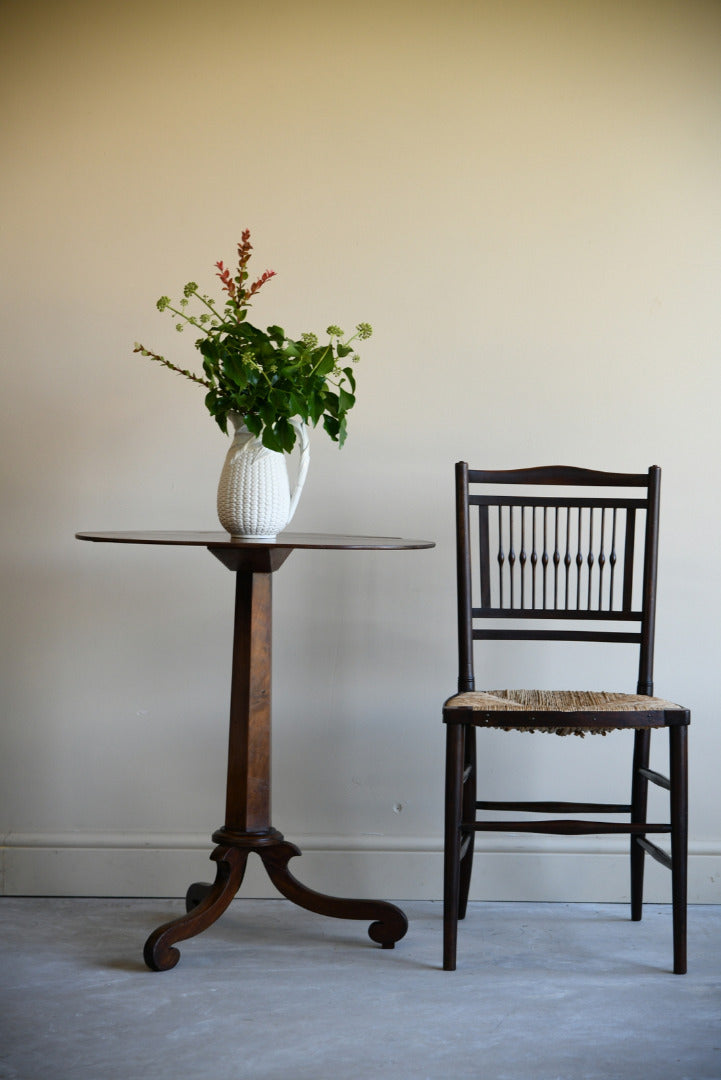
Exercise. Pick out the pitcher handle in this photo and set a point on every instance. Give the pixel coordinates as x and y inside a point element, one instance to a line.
<point>304,446</point>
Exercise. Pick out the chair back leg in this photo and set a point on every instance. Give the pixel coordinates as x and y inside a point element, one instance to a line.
<point>678,776</point>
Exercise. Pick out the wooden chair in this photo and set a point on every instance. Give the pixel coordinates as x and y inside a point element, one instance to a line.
<point>560,554</point>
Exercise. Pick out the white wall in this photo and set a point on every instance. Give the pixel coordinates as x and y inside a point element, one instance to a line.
<point>524,199</point>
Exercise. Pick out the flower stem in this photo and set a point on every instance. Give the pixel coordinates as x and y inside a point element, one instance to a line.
<point>173,367</point>
<point>208,305</point>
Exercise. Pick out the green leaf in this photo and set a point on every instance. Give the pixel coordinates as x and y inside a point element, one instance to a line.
<point>296,404</point>
<point>315,407</point>
<point>277,334</point>
<point>347,401</point>
<point>208,347</point>
<point>270,440</point>
<point>324,360</point>
<point>332,426</point>
<point>332,401</point>
<point>285,434</point>
<point>278,400</point>
<point>267,413</point>
<point>343,350</point>
<point>253,423</point>
<point>236,371</point>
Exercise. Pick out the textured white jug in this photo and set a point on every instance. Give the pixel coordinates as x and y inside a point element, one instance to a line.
<point>255,501</point>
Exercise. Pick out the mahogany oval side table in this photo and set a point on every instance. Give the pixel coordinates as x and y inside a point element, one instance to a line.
<point>247,825</point>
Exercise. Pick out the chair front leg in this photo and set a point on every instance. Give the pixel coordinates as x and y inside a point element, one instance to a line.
<point>639,803</point>
<point>468,811</point>
<point>678,770</point>
<point>452,842</point>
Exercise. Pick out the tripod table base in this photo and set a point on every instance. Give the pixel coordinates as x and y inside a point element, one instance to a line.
<point>205,903</point>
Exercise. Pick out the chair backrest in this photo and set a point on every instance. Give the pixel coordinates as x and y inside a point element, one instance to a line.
<point>558,545</point>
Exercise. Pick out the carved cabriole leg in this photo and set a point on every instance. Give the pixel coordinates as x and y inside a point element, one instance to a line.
<point>159,953</point>
<point>639,802</point>
<point>390,925</point>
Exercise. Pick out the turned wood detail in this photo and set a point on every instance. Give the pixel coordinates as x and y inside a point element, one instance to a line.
<point>575,560</point>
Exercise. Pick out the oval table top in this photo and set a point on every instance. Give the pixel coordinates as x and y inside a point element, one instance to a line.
<point>286,540</point>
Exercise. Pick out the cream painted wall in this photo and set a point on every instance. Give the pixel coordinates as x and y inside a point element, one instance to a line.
<point>525,200</point>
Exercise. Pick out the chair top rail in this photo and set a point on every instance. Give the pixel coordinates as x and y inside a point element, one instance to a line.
<point>558,474</point>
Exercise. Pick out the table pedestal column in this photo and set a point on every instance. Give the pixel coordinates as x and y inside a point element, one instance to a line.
<point>247,813</point>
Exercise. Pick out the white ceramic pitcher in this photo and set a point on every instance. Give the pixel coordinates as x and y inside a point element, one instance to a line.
<point>255,500</point>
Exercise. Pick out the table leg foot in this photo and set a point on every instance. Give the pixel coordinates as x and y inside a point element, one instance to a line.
<point>196,894</point>
<point>207,906</point>
<point>389,926</point>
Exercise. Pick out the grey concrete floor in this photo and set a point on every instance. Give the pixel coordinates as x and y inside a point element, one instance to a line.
<point>542,992</point>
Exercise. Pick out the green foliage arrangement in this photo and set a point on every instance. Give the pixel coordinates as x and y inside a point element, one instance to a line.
<point>262,375</point>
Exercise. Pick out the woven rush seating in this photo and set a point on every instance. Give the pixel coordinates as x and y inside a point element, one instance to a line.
<point>538,709</point>
<point>560,554</point>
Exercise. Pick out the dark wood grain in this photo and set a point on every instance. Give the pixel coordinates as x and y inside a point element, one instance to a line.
<point>248,825</point>
<point>389,922</point>
<point>321,541</point>
<point>584,529</point>
<point>160,953</point>
<point>247,808</point>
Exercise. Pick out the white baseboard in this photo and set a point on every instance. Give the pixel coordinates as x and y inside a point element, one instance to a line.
<point>593,869</point>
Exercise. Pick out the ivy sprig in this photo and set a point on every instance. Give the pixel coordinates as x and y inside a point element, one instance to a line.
<point>264,376</point>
